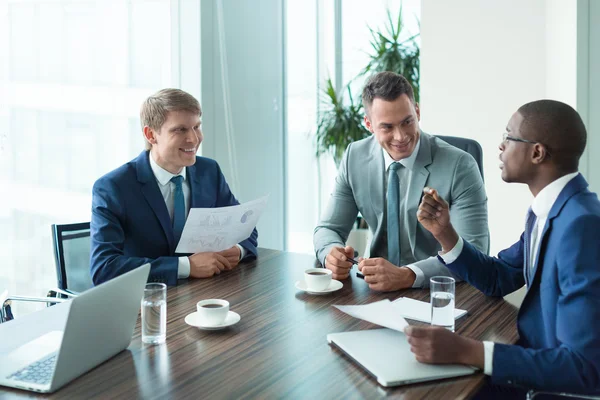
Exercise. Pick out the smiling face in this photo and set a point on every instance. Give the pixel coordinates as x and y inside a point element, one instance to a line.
<point>395,125</point>
<point>175,145</point>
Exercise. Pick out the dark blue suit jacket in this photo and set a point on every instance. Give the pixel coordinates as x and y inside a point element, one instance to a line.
<point>130,223</point>
<point>559,320</point>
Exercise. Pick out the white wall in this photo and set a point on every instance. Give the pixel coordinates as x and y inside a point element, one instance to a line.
<point>593,86</point>
<point>480,61</point>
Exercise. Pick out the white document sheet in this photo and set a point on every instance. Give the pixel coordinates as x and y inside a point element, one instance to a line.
<point>217,229</point>
<point>419,310</point>
<point>381,313</point>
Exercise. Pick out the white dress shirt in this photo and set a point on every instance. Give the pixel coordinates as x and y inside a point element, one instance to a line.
<point>167,189</point>
<point>408,164</point>
<point>541,206</point>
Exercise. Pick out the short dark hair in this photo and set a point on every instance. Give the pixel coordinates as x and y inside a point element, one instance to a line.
<point>387,86</point>
<point>559,127</point>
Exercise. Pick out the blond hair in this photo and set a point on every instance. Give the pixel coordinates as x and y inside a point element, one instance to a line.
<point>155,108</point>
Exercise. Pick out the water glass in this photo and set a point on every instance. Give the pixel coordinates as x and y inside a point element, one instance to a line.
<point>154,313</point>
<point>442,301</point>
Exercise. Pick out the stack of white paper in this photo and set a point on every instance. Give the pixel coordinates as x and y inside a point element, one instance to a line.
<point>381,313</point>
<point>418,310</point>
<point>391,314</point>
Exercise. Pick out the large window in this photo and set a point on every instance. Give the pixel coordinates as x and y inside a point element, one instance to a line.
<point>313,40</point>
<point>72,77</point>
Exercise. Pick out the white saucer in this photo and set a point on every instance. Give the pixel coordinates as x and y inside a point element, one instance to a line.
<point>231,319</point>
<point>333,286</point>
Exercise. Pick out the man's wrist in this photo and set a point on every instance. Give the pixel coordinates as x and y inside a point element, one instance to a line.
<point>447,238</point>
<point>406,278</point>
<point>472,353</point>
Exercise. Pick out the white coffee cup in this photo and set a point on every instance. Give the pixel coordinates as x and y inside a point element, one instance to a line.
<point>317,278</point>
<point>212,311</point>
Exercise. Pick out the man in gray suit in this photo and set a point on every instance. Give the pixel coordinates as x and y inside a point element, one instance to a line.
<point>383,177</point>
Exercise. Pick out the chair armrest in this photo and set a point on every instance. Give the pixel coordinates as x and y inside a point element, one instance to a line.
<point>532,394</point>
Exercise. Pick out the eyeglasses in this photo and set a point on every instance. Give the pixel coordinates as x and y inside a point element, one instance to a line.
<point>506,137</point>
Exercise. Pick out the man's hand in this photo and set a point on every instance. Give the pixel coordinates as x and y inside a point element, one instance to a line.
<point>232,255</point>
<point>384,276</point>
<point>434,212</point>
<point>434,215</point>
<point>437,345</point>
<point>206,265</point>
<point>337,262</point>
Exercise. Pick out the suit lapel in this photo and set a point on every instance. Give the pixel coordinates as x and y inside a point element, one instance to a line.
<point>194,181</point>
<point>418,179</point>
<point>376,178</point>
<point>576,185</point>
<point>153,196</point>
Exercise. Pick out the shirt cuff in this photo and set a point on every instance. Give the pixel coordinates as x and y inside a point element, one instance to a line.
<point>420,275</point>
<point>488,357</point>
<point>183,268</point>
<point>242,251</point>
<point>453,254</point>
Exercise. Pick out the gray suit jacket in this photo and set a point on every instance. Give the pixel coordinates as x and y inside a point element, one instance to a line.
<point>360,186</point>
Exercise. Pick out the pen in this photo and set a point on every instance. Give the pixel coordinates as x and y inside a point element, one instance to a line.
<point>358,273</point>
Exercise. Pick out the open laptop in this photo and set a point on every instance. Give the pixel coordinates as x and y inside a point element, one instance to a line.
<point>49,348</point>
<point>385,354</point>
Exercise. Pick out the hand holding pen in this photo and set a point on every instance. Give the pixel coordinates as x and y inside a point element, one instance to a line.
<point>340,261</point>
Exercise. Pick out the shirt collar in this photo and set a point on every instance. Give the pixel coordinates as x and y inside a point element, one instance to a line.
<point>407,162</point>
<point>543,202</point>
<point>162,175</point>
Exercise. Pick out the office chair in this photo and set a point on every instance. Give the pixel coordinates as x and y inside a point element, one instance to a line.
<point>71,243</point>
<point>471,146</point>
<point>6,303</point>
<point>531,395</point>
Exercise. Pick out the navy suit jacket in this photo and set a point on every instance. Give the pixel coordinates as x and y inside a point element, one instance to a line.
<point>559,319</point>
<point>130,223</point>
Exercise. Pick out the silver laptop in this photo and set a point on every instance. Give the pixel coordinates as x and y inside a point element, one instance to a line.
<point>47,349</point>
<point>385,354</point>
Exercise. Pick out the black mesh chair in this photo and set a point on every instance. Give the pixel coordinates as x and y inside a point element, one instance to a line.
<point>72,257</point>
<point>469,145</point>
<point>71,243</point>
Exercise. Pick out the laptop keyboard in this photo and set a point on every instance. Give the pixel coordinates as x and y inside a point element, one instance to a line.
<point>40,372</point>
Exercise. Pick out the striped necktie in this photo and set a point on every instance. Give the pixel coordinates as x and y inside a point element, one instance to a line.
<point>529,226</point>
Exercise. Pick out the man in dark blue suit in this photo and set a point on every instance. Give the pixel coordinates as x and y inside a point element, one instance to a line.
<point>557,257</point>
<point>139,209</point>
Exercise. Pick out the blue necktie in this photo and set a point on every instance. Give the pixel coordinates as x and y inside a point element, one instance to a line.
<point>178,208</point>
<point>393,215</point>
<point>529,225</point>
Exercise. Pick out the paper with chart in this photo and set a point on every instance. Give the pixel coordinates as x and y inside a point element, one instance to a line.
<point>381,313</point>
<point>217,229</point>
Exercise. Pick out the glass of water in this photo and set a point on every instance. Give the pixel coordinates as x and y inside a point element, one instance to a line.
<point>154,313</point>
<point>442,301</point>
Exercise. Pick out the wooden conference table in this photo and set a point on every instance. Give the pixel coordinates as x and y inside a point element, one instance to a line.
<point>279,347</point>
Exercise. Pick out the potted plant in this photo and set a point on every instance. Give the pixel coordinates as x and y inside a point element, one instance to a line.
<point>340,122</point>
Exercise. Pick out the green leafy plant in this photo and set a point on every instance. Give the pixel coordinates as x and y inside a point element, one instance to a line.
<point>341,122</point>
<point>389,54</point>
